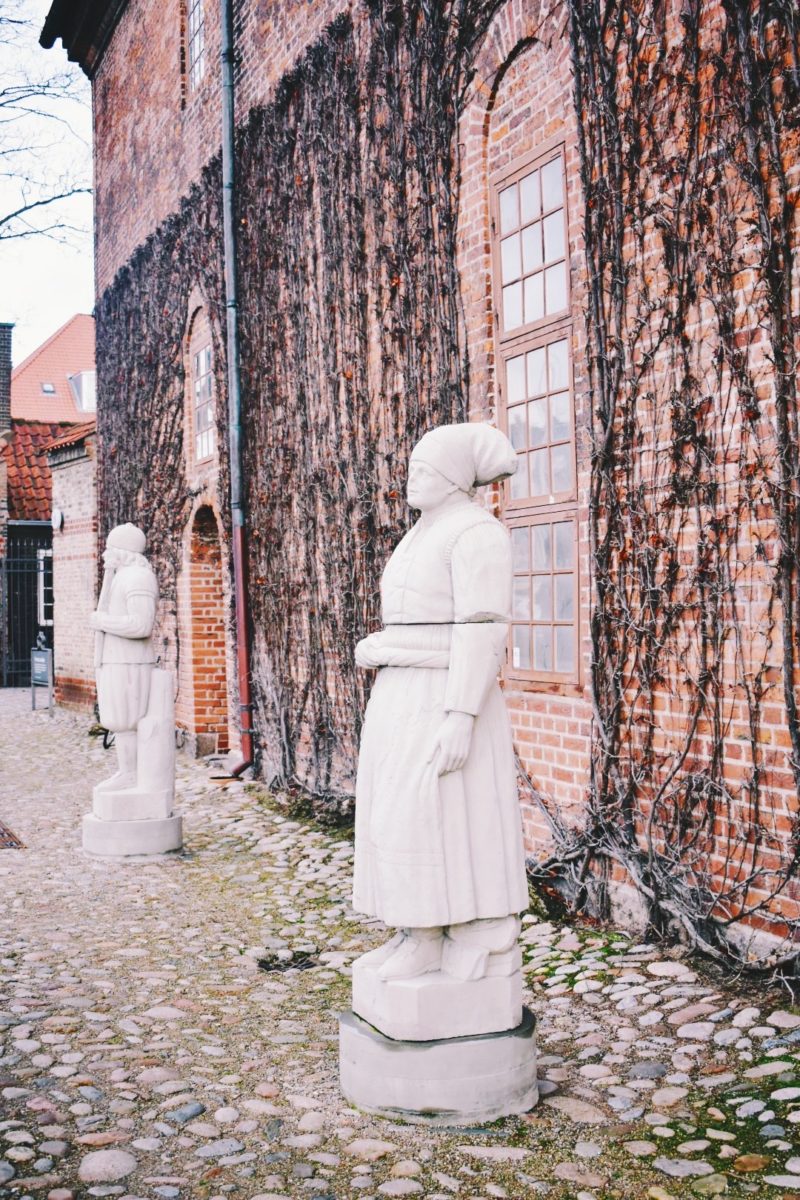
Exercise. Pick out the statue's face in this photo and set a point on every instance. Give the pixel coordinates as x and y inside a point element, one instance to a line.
<point>112,557</point>
<point>427,487</point>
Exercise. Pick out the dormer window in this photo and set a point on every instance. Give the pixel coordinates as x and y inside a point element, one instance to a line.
<point>83,385</point>
<point>49,389</point>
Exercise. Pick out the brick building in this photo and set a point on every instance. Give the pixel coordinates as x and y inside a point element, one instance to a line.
<point>48,393</point>
<point>415,189</point>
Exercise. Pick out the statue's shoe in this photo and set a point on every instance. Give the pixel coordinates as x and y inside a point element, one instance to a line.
<point>118,782</point>
<point>414,956</point>
<point>377,957</point>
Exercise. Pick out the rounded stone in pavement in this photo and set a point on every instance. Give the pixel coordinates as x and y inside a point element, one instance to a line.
<point>106,1166</point>
<point>668,969</point>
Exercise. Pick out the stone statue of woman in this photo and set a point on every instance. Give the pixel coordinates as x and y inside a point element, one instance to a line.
<point>438,852</point>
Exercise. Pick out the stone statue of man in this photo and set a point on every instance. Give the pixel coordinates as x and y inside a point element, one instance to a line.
<point>124,652</point>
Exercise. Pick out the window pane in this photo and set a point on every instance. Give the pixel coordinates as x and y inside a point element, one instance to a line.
<point>521,549</point>
<point>540,483</point>
<point>558,362</point>
<point>564,538</point>
<point>516,427</point>
<point>532,247</point>
<point>541,547</point>
<point>554,235</point>
<point>543,648</point>
<point>521,600</point>
<point>534,298</point>
<point>552,189</point>
<point>519,480</point>
<point>562,467</point>
<point>542,597</point>
<point>564,597</point>
<point>509,209</point>
<point>537,423</point>
<point>565,649</point>
<point>521,647</point>
<point>537,380</point>
<point>512,305</point>
<point>510,258</point>
<point>515,378</point>
<point>559,417</point>
<point>555,287</point>
<point>529,195</point>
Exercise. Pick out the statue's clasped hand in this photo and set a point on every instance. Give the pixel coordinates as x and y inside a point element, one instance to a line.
<point>452,742</point>
<point>367,651</point>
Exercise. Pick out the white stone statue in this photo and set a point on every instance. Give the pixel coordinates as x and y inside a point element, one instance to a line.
<point>132,810</point>
<point>438,832</point>
<point>124,653</point>
<point>438,1025</point>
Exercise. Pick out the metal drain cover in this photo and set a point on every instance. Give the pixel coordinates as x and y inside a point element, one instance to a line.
<point>9,840</point>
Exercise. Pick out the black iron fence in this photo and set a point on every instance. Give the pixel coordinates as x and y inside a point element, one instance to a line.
<point>26,600</point>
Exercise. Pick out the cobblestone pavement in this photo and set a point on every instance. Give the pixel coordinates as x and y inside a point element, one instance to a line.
<point>146,1050</point>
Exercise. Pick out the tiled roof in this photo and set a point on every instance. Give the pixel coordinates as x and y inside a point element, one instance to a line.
<point>29,483</point>
<point>69,350</point>
<point>74,435</point>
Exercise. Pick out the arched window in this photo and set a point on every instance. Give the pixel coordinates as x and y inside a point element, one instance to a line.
<point>201,390</point>
<point>534,344</point>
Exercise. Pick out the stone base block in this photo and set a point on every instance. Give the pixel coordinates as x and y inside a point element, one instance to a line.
<point>458,1081</point>
<point>436,1005</point>
<point>119,839</point>
<point>130,804</point>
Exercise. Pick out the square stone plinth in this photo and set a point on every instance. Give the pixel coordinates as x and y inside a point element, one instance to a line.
<point>131,805</point>
<point>454,1081</point>
<point>436,1005</point>
<point>119,839</point>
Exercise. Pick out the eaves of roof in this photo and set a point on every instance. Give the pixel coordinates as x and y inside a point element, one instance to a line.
<point>85,28</point>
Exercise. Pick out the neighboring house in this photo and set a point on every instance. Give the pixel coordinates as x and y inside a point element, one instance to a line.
<point>488,210</point>
<point>48,393</point>
<point>72,460</point>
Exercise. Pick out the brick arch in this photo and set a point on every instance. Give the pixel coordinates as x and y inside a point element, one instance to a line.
<point>208,647</point>
<point>513,34</point>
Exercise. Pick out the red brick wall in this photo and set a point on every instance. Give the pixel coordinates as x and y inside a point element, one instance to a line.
<point>208,647</point>
<point>75,578</point>
<point>153,135</point>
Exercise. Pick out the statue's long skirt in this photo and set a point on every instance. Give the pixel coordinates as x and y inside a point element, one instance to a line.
<point>430,849</point>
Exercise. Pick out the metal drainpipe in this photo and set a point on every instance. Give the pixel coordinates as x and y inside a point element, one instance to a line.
<point>234,390</point>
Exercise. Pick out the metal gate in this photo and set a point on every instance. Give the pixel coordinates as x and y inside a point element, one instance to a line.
<point>26,600</point>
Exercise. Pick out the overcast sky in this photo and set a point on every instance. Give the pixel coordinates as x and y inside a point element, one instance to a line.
<point>43,282</point>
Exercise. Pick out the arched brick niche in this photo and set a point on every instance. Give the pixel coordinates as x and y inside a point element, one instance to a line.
<point>518,122</point>
<point>207,637</point>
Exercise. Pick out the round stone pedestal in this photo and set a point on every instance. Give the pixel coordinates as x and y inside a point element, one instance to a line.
<point>122,838</point>
<point>452,1081</point>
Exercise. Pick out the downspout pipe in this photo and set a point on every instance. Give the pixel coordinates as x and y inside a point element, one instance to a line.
<point>239,546</point>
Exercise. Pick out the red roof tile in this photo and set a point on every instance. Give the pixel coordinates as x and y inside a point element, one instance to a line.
<point>69,350</point>
<point>76,434</point>
<point>29,484</point>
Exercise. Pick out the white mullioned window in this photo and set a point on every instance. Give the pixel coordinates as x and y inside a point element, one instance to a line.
<point>530,253</point>
<point>204,414</point>
<point>196,42</point>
